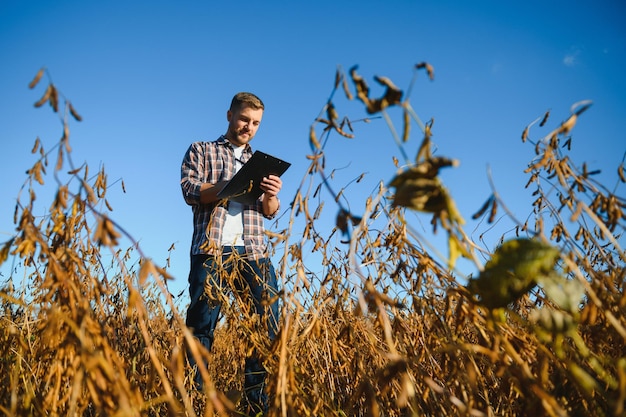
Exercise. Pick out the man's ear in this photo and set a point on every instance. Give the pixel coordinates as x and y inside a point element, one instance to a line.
<point>229,115</point>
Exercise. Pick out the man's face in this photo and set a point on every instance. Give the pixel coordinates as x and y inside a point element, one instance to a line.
<point>243,124</point>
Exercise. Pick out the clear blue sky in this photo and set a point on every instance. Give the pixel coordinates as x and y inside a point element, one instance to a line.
<point>150,77</point>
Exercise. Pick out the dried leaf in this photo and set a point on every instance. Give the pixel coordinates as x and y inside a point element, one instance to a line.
<point>337,78</point>
<point>35,80</point>
<point>493,212</point>
<point>91,197</point>
<point>421,194</point>
<point>341,222</point>
<point>6,248</point>
<point>331,111</point>
<point>429,69</point>
<point>36,171</point>
<point>74,114</point>
<point>59,164</point>
<point>568,144</point>
<point>525,134</point>
<point>146,268</point>
<point>315,145</point>
<point>406,126</point>
<point>54,98</point>
<point>346,88</point>
<point>424,151</point>
<point>392,96</point>
<point>36,145</point>
<point>483,208</point>
<point>362,88</point>
<point>45,97</point>
<point>105,233</point>
<point>568,125</point>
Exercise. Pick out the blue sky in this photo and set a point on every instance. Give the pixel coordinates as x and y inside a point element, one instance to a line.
<point>150,77</point>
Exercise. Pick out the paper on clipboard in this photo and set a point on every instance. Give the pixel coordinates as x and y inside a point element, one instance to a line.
<point>244,187</point>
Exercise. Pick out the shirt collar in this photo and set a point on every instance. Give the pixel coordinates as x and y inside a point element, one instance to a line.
<point>225,142</point>
<point>222,140</point>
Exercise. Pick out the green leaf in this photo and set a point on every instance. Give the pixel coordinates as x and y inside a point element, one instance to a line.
<point>514,269</point>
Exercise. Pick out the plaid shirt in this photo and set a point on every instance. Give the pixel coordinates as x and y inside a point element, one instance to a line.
<point>210,162</point>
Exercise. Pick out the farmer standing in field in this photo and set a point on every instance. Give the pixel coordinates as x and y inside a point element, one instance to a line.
<point>228,248</point>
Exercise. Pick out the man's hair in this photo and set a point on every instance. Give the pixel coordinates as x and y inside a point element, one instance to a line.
<point>249,99</point>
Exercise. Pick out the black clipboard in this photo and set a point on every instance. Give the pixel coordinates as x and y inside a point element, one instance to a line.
<point>244,187</point>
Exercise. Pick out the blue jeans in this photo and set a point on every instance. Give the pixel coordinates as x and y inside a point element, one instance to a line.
<point>241,276</point>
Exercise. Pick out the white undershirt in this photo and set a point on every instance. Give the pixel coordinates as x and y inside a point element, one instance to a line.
<point>232,233</point>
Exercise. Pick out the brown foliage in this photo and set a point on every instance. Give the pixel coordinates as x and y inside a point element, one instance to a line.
<point>384,330</point>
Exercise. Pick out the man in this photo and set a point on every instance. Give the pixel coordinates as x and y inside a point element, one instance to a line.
<point>228,248</point>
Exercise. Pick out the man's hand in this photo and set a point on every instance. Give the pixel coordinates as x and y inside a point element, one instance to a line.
<point>271,185</point>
